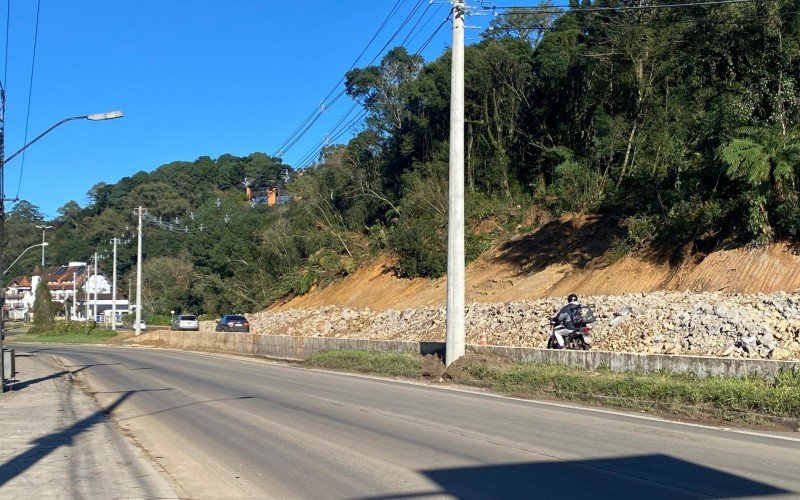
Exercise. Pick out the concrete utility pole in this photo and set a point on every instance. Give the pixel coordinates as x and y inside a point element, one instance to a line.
<point>94,311</point>
<point>456,338</point>
<point>114,290</point>
<point>74,314</point>
<point>2,237</point>
<point>139,278</point>
<point>43,228</point>
<point>86,294</point>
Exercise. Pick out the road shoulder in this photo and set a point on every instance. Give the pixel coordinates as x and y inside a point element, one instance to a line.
<point>58,443</point>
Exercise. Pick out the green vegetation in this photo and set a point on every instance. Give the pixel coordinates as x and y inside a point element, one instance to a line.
<point>744,399</point>
<point>737,399</point>
<point>682,125</point>
<point>157,320</point>
<point>44,309</point>
<point>68,332</point>
<point>382,363</point>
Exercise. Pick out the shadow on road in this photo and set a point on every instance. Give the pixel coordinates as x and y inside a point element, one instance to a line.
<point>649,476</point>
<point>23,384</point>
<point>172,408</point>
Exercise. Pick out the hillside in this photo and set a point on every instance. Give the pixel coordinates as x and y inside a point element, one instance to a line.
<point>564,256</point>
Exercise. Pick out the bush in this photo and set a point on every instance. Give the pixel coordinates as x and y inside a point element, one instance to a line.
<point>687,220</point>
<point>787,218</point>
<point>158,319</point>
<point>641,229</point>
<point>421,247</point>
<point>576,187</point>
<point>64,328</point>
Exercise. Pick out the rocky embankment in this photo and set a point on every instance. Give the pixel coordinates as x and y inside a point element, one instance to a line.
<point>701,323</point>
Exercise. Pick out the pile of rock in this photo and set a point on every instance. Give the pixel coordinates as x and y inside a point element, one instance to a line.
<point>697,323</point>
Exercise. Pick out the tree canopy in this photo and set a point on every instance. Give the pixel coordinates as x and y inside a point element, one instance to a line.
<point>683,124</point>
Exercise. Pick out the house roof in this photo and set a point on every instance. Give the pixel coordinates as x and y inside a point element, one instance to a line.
<point>58,277</point>
<point>20,281</point>
<point>63,274</point>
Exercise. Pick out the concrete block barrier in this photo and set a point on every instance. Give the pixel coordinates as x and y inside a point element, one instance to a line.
<point>298,348</point>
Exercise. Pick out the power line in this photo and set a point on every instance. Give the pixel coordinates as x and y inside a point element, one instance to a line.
<point>335,134</point>
<point>281,149</point>
<point>403,43</point>
<point>30,94</point>
<point>657,23</point>
<point>561,9</point>
<point>8,29</point>
<point>333,137</point>
<point>178,225</point>
<point>322,142</point>
<point>431,18</point>
<point>322,109</point>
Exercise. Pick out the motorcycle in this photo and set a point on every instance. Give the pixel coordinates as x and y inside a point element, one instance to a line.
<point>577,338</point>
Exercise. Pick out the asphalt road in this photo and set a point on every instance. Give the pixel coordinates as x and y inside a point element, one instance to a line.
<point>224,427</point>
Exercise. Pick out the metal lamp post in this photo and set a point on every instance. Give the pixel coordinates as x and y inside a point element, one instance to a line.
<point>42,244</point>
<point>93,117</point>
<point>43,228</point>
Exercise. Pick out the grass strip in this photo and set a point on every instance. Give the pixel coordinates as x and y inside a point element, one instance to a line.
<point>712,395</point>
<point>92,336</point>
<point>735,399</point>
<point>381,363</point>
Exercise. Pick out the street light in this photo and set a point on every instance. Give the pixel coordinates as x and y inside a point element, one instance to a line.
<point>43,244</point>
<point>93,117</point>
<point>43,228</point>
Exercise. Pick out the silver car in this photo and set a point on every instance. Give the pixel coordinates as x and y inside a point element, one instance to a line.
<point>186,322</point>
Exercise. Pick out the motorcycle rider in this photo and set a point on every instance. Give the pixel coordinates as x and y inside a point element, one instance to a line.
<point>567,317</point>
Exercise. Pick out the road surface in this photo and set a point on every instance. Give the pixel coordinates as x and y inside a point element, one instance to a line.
<point>228,427</point>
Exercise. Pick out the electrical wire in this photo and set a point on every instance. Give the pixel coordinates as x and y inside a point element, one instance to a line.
<point>322,142</point>
<point>411,31</point>
<point>177,226</point>
<point>433,16</point>
<point>655,23</point>
<point>8,29</point>
<point>281,149</point>
<point>397,32</point>
<point>561,9</point>
<point>334,135</point>
<point>30,94</point>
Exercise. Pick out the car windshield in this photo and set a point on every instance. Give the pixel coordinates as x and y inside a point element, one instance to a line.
<point>187,317</point>
<point>235,318</point>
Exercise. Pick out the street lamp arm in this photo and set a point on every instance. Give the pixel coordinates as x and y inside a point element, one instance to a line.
<point>95,117</point>
<point>23,253</point>
<point>23,148</point>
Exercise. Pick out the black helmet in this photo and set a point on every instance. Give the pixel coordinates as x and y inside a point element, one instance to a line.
<point>572,298</point>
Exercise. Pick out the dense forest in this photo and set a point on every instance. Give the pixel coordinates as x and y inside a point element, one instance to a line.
<point>681,124</point>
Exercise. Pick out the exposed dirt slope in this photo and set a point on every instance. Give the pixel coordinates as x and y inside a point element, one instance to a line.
<point>561,257</point>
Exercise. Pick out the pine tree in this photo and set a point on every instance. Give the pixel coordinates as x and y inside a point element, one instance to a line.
<point>43,307</point>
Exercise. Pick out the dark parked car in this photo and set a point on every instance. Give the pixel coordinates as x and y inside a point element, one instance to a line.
<point>233,323</point>
<point>186,322</point>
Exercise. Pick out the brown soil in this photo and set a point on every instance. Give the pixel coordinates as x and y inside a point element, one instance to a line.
<point>153,343</point>
<point>563,256</point>
<point>432,366</point>
<point>467,367</point>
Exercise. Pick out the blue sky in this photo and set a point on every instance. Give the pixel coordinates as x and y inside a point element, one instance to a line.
<point>194,78</point>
